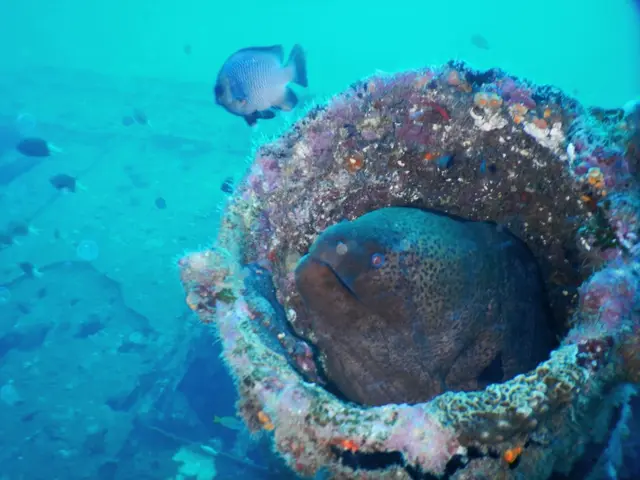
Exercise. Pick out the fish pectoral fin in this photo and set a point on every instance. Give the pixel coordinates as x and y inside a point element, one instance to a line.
<point>289,101</point>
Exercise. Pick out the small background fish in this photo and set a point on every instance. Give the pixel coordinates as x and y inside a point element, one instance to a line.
<point>34,147</point>
<point>255,81</point>
<point>479,41</point>
<point>231,423</point>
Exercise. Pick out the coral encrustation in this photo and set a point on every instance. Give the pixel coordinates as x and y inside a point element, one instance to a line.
<point>484,145</point>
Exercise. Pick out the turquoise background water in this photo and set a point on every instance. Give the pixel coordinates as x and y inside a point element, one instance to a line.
<point>592,46</point>
<point>101,362</point>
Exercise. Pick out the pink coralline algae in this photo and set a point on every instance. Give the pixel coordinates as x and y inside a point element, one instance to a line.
<point>560,176</point>
<point>422,439</point>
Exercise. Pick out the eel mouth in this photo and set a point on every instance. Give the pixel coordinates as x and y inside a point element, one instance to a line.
<point>319,274</point>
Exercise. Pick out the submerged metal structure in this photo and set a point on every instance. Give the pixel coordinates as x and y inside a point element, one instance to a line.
<point>480,145</point>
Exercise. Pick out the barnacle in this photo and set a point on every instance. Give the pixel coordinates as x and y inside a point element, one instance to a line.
<point>354,162</point>
<point>487,100</point>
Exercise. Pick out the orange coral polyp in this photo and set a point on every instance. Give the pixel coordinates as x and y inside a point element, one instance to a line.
<point>511,455</point>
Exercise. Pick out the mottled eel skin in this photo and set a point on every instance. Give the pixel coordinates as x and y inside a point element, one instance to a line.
<point>406,303</point>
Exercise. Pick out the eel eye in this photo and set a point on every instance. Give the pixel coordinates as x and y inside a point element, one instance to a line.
<point>377,260</point>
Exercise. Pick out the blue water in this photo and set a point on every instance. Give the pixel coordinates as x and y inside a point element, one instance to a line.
<point>104,371</point>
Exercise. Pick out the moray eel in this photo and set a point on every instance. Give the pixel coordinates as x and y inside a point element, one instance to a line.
<point>405,304</point>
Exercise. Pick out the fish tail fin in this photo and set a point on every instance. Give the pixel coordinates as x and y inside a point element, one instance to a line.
<point>298,64</point>
<point>216,419</point>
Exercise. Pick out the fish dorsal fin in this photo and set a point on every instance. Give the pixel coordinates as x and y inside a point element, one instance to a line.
<point>276,50</point>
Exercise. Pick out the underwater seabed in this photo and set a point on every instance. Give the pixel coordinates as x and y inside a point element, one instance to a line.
<point>128,404</point>
<point>481,146</point>
<point>123,407</point>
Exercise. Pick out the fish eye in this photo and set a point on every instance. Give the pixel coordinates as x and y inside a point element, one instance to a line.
<point>218,90</point>
<point>377,260</point>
